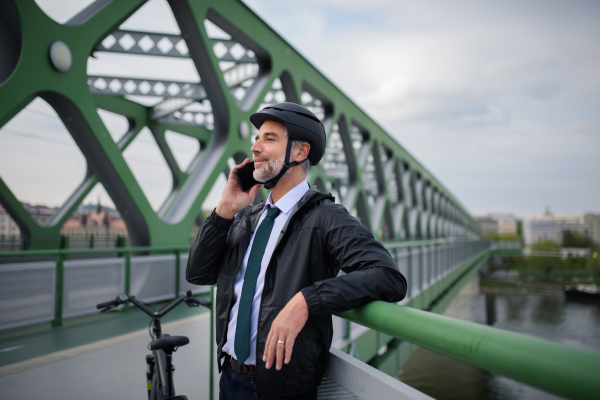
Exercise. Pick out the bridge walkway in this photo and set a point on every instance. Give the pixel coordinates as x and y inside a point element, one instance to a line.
<point>101,365</point>
<point>107,360</point>
<point>28,342</point>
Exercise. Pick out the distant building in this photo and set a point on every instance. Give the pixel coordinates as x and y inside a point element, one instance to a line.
<point>8,227</point>
<point>94,220</point>
<point>572,223</point>
<point>488,225</point>
<point>553,227</point>
<point>592,221</point>
<point>503,224</point>
<point>40,213</point>
<point>507,224</point>
<point>86,220</point>
<point>537,229</point>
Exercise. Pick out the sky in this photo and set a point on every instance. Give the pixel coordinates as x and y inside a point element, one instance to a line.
<point>500,101</point>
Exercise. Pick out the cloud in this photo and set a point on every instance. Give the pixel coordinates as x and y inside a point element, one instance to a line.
<point>498,100</point>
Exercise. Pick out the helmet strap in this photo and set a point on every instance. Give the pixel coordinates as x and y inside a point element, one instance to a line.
<point>270,184</point>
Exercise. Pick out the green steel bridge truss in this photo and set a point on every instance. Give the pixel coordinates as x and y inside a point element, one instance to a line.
<point>240,71</point>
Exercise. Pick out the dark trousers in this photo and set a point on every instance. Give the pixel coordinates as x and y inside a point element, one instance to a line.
<point>234,386</point>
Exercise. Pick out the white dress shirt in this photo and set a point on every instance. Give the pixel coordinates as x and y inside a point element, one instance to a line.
<point>286,204</point>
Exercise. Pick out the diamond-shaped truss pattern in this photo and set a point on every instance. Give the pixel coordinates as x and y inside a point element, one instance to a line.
<point>370,179</point>
<point>313,104</point>
<point>335,164</point>
<point>144,43</point>
<point>390,167</point>
<point>275,95</point>
<point>196,113</point>
<point>145,87</point>
<point>40,162</point>
<point>171,102</point>
<point>359,139</point>
<point>238,64</point>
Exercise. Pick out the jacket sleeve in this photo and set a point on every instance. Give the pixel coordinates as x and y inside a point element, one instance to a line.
<point>371,273</point>
<point>207,250</point>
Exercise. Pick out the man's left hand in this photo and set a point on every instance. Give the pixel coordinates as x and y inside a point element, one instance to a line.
<point>285,328</point>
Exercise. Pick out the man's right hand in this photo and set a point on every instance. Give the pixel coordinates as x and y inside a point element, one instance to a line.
<point>233,200</point>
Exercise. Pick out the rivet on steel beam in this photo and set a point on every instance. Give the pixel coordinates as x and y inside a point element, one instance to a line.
<point>60,55</point>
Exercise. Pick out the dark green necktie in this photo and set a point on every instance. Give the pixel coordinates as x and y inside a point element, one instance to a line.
<point>242,330</point>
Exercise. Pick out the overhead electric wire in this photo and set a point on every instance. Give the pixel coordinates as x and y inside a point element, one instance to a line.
<point>139,140</point>
<point>42,113</point>
<point>33,136</point>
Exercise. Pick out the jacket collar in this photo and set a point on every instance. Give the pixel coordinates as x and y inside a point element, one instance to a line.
<point>311,195</point>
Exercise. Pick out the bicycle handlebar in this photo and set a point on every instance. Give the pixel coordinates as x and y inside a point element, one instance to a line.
<point>111,303</point>
<point>188,298</point>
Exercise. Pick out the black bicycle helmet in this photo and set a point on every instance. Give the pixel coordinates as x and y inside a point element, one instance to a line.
<point>301,124</point>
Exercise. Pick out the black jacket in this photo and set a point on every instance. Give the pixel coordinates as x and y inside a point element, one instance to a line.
<point>318,239</point>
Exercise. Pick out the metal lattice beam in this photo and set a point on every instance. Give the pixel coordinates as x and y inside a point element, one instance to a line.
<point>368,171</point>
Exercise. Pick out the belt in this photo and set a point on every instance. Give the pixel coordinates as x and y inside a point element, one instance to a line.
<point>239,368</point>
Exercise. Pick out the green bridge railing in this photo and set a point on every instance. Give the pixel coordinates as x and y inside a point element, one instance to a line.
<point>60,255</point>
<point>556,368</point>
<point>424,259</point>
<point>553,367</point>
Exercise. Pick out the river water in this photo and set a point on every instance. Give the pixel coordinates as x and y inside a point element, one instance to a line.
<point>549,317</point>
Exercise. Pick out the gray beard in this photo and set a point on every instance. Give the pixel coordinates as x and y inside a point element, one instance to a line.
<point>271,171</point>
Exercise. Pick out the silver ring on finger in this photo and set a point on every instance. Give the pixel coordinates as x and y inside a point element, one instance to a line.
<point>280,342</point>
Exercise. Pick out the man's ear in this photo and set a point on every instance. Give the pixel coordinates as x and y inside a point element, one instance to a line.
<point>303,151</point>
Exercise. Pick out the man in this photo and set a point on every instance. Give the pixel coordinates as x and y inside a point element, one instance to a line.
<point>276,265</point>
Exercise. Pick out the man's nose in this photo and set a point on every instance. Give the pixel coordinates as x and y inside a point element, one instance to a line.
<point>256,147</point>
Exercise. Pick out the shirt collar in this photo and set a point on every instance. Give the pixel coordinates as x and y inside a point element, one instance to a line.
<point>290,199</point>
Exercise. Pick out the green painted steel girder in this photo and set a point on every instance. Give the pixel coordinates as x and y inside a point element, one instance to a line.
<point>367,170</point>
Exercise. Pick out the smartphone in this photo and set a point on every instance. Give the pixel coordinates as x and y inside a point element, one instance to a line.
<point>245,178</point>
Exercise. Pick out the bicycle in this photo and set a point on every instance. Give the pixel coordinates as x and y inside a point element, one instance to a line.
<point>159,374</point>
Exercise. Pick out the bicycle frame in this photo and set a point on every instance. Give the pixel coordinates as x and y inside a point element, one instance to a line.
<point>160,367</point>
<point>165,378</point>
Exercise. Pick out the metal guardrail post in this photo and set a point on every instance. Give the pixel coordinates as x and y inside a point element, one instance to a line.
<point>58,292</point>
<point>430,264</point>
<point>177,266</point>
<point>421,284</point>
<point>409,259</point>
<point>128,273</point>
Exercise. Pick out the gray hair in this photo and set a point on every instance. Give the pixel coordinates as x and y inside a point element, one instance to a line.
<point>306,164</point>
<point>295,143</point>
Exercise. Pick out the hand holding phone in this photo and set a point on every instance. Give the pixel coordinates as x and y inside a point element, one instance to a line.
<point>239,192</point>
<point>245,177</point>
